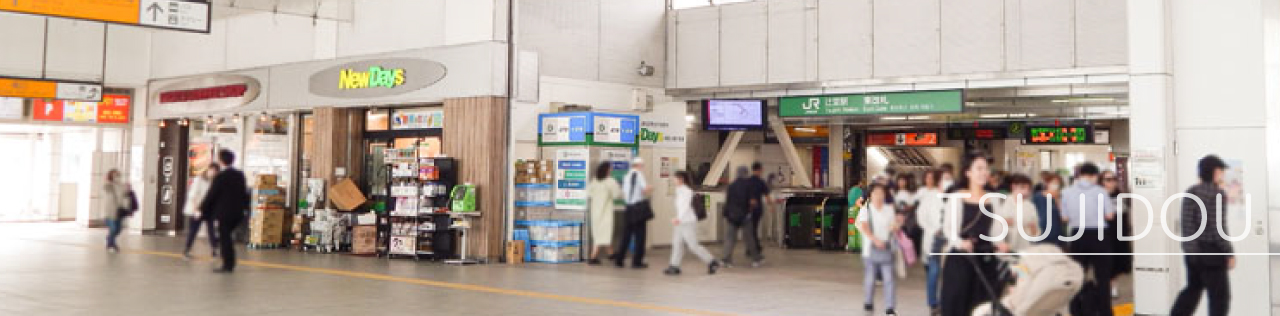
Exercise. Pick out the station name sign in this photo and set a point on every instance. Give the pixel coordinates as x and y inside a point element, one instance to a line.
<point>375,77</point>
<point>897,103</point>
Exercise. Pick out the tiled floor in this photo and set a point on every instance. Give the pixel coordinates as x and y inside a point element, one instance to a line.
<point>63,270</point>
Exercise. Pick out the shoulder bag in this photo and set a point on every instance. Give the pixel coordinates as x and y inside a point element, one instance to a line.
<point>641,211</point>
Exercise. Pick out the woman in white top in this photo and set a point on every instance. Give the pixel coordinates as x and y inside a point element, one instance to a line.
<point>601,193</point>
<point>195,195</point>
<point>686,229</point>
<point>929,215</point>
<point>1019,202</point>
<point>879,222</point>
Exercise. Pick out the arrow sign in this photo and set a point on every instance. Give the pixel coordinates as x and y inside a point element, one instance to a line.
<point>155,11</point>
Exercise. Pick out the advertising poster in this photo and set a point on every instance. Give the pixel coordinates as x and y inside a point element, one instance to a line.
<point>46,110</point>
<point>80,111</point>
<point>616,129</point>
<point>1147,165</point>
<point>1233,184</point>
<point>199,156</point>
<point>571,179</point>
<point>417,119</point>
<point>11,108</point>
<point>563,128</point>
<point>113,109</point>
<point>401,245</point>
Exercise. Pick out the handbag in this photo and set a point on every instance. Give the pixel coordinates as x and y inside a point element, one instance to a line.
<point>907,248</point>
<point>639,212</point>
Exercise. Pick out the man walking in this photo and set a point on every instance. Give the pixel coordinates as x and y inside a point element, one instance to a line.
<point>758,189</point>
<point>1087,205</point>
<point>740,200</point>
<point>227,200</point>
<point>1205,271</point>
<point>635,191</point>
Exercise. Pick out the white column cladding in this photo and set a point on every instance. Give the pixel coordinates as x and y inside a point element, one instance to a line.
<point>1151,111</point>
<point>1271,71</point>
<point>1221,57</point>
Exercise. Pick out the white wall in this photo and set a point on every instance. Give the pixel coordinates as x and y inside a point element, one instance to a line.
<point>793,41</point>
<point>595,40</point>
<point>75,50</point>
<point>246,37</point>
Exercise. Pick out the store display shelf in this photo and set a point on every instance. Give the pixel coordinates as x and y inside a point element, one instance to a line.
<point>534,204</point>
<point>533,185</point>
<point>426,253</point>
<point>405,235</point>
<point>549,223</point>
<point>555,243</point>
<point>402,215</point>
<point>555,261</point>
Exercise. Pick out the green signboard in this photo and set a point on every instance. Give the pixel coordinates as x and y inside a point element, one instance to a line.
<point>914,102</point>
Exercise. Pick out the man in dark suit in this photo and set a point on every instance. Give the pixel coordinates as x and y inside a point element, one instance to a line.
<point>227,200</point>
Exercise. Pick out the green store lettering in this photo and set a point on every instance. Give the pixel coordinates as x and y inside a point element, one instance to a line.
<point>650,136</point>
<point>375,77</point>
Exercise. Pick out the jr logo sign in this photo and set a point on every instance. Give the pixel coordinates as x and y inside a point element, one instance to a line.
<point>812,104</point>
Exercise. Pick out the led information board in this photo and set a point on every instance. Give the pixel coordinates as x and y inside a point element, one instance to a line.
<point>1059,135</point>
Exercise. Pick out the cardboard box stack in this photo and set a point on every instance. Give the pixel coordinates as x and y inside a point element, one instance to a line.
<point>515,252</point>
<point>364,240</point>
<point>535,171</point>
<point>266,226</point>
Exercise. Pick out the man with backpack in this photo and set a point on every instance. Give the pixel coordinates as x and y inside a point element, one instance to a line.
<point>689,210</point>
<point>740,201</point>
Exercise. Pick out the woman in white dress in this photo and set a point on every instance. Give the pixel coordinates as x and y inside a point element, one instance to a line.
<point>601,193</point>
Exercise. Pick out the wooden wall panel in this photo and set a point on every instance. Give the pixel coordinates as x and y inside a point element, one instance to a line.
<point>337,142</point>
<point>475,132</point>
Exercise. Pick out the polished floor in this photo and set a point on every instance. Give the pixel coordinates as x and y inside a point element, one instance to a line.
<point>59,269</point>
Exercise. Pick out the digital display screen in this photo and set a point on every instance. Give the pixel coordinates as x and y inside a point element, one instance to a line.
<point>733,115</point>
<point>1060,135</point>
<point>978,133</point>
<point>906,139</point>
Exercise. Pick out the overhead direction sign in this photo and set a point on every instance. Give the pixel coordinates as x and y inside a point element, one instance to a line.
<point>191,16</point>
<point>47,89</point>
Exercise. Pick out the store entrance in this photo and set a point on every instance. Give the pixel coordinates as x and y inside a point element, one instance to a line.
<point>60,188</point>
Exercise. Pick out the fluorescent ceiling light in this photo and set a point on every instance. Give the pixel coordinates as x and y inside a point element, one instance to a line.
<point>992,116</point>
<point>806,129</point>
<point>1083,100</point>
<point>893,118</point>
<point>918,117</point>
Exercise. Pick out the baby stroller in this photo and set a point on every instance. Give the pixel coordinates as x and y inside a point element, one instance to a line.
<point>1045,282</point>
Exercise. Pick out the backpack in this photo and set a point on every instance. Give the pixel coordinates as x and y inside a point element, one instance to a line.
<point>131,201</point>
<point>700,206</point>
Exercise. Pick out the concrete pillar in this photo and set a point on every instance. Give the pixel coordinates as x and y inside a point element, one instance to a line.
<point>1202,81</point>
<point>835,157</point>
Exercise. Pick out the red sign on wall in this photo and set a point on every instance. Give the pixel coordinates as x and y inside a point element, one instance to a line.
<point>46,110</point>
<point>219,92</point>
<point>114,109</point>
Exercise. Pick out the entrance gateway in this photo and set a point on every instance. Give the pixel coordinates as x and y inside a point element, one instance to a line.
<point>815,147</point>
